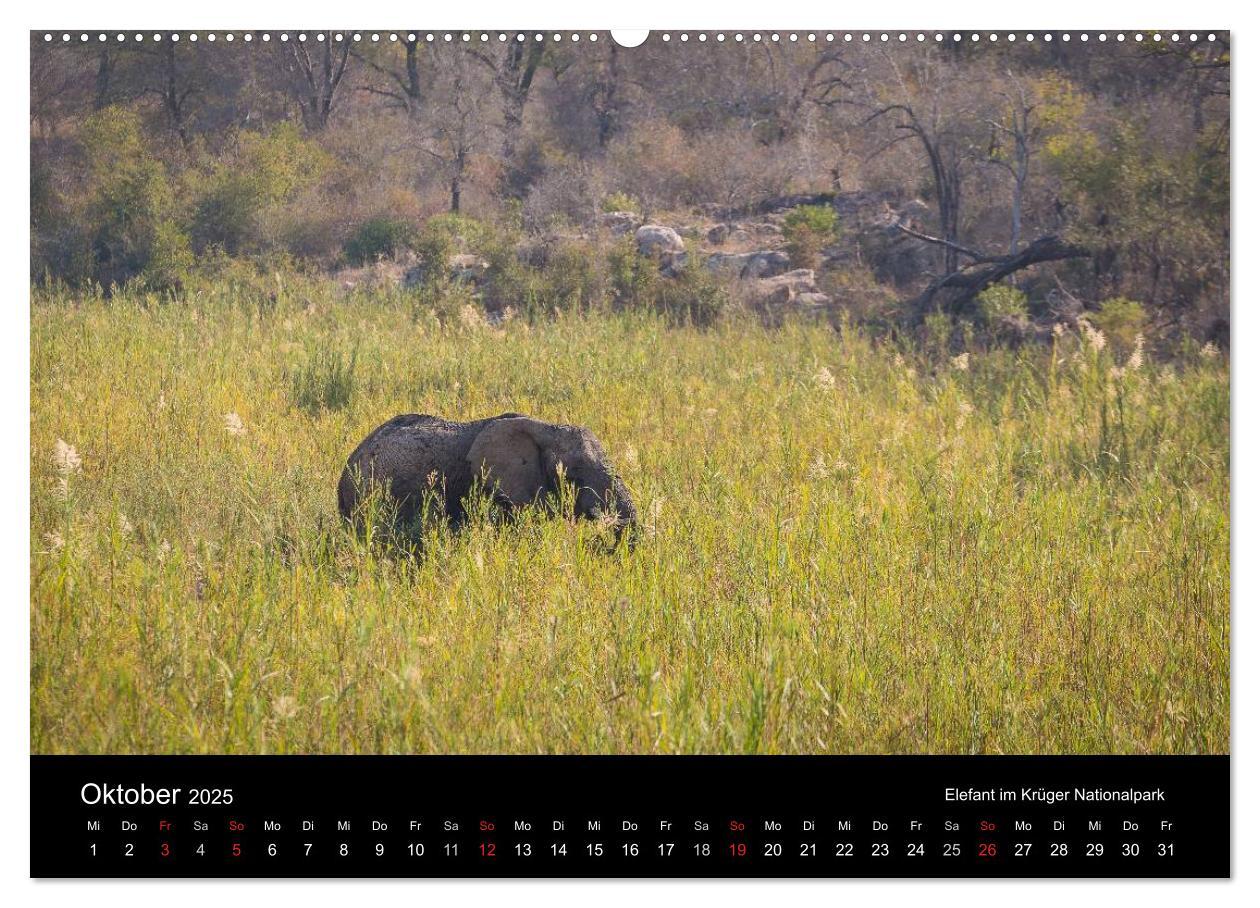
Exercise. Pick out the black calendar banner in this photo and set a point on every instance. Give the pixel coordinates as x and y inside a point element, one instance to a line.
<point>618,816</point>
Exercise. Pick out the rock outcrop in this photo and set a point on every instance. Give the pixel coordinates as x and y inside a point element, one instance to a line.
<point>788,288</point>
<point>654,239</point>
<point>619,223</point>
<point>749,265</point>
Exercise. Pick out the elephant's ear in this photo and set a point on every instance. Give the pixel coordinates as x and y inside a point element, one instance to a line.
<point>506,449</point>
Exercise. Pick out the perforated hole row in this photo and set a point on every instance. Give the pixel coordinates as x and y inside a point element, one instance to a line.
<point>684,37</point>
<point>916,37</point>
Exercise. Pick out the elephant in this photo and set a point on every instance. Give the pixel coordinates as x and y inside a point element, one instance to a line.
<point>518,458</point>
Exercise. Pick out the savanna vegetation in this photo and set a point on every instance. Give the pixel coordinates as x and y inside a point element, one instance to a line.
<point>846,545</point>
<point>914,358</point>
<point>163,163</point>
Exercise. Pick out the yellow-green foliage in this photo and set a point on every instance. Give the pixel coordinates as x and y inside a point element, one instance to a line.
<point>843,550</point>
<point>620,201</point>
<point>809,228</point>
<point>1121,320</point>
<point>999,300</point>
<point>129,203</point>
<point>265,170</point>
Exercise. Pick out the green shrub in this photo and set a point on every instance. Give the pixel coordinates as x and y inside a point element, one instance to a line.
<point>999,300</point>
<point>445,300</point>
<point>621,201</point>
<point>692,296</point>
<point>634,279</point>
<point>379,238</point>
<point>560,275</point>
<point>445,235</point>
<point>696,296</point>
<point>129,197</point>
<point>1121,320</point>
<point>808,229</point>
<point>266,170</point>
<point>574,276</point>
<point>171,259</point>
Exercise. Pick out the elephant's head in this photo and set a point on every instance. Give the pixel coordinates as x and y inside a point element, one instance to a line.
<point>522,460</point>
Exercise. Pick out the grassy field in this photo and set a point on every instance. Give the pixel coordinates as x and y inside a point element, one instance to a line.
<point>846,549</point>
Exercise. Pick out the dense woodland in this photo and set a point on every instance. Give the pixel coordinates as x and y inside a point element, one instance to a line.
<point>1024,183</point>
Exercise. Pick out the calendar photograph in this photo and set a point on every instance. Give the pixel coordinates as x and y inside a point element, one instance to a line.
<point>422,392</point>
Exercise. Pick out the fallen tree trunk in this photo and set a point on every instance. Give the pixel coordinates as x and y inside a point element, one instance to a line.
<point>954,291</point>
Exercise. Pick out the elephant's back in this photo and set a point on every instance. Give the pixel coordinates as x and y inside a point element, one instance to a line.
<point>403,453</point>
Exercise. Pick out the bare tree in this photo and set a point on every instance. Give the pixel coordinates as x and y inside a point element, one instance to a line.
<point>104,73</point>
<point>945,160</point>
<point>457,128</point>
<point>955,289</point>
<point>935,114</point>
<point>605,95</point>
<point>314,81</point>
<point>513,72</point>
<point>61,83</point>
<point>174,89</point>
<point>404,85</point>
<point>1019,131</point>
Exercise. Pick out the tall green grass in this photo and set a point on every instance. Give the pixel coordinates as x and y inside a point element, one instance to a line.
<point>846,548</point>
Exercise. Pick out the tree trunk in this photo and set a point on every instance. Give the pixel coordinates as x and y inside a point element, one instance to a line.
<point>515,79</point>
<point>104,72</point>
<point>413,78</point>
<point>956,289</point>
<point>457,180</point>
<point>605,97</point>
<point>1017,214</point>
<point>173,98</point>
